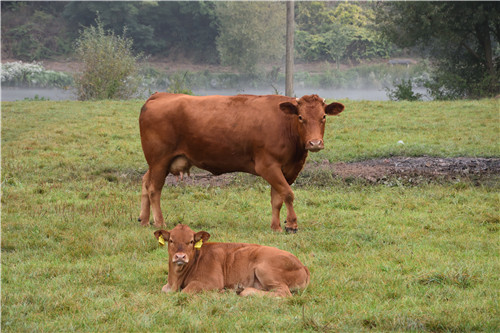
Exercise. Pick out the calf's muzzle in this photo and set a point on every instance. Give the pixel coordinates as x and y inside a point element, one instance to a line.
<point>180,258</point>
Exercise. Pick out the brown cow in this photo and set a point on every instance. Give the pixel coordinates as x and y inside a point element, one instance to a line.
<point>269,136</point>
<point>248,268</point>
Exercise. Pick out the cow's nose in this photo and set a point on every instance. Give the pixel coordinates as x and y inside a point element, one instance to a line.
<point>315,145</point>
<point>180,257</point>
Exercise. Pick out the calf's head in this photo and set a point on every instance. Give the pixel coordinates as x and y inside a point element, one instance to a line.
<point>311,112</point>
<point>181,242</point>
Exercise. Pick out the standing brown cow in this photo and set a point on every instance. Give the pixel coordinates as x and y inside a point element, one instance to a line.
<point>269,136</point>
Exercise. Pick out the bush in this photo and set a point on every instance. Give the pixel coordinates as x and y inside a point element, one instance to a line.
<point>32,75</point>
<point>110,69</point>
<point>178,85</point>
<point>403,92</point>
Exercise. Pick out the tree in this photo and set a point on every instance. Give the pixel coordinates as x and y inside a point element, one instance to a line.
<point>250,33</point>
<point>341,32</point>
<point>33,31</point>
<point>167,28</point>
<point>463,39</point>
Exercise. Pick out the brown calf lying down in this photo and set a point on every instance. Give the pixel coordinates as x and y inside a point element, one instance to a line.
<point>194,266</point>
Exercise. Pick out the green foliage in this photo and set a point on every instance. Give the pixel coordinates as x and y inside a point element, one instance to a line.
<point>178,84</point>
<point>74,258</point>
<point>37,98</point>
<point>184,29</point>
<point>109,67</point>
<point>32,32</point>
<point>342,33</point>
<point>250,33</point>
<point>461,37</point>
<point>403,92</point>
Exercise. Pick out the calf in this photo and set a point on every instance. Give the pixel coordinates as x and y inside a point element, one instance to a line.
<point>194,265</point>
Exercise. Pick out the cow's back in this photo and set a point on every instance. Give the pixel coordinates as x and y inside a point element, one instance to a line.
<point>242,263</point>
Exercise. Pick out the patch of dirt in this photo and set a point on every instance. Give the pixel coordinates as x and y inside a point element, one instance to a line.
<point>413,170</point>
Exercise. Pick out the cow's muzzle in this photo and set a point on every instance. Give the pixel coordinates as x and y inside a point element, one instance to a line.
<point>180,259</point>
<point>315,145</point>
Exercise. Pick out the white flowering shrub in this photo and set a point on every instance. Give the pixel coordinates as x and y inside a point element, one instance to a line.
<point>32,75</point>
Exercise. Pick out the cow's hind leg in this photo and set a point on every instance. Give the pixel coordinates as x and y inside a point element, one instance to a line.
<point>280,291</point>
<point>145,203</point>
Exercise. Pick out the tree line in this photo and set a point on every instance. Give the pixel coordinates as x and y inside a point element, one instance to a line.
<point>461,38</point>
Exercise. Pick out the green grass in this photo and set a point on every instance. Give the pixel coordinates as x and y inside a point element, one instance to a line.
<point>372,129</point>
<point>74,258</point>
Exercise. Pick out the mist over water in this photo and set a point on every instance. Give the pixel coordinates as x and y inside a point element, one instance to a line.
<point>54,94</point>
<point>19,94</point>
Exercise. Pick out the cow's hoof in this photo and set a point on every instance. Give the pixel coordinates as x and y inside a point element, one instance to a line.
<point>143,223</point>
<point>239,288</point>
<point>291,230</point>
<point>159,226</point>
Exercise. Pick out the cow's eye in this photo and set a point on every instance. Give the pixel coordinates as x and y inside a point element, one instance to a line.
<point>171,241</point>
<point>300,118</point>
<point>324,116</point>
<point>192,242</point>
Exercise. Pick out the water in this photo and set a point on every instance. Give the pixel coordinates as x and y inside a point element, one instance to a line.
<point>53,94</point>
<point>352,94</point>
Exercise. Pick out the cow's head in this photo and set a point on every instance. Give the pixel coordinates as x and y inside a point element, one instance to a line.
<point>311,112</point>
<point>181,242</point>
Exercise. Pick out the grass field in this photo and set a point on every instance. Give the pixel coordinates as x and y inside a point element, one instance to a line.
<point>382,258</point>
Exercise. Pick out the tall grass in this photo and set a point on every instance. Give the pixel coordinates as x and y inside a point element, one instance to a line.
<point>74,258</point>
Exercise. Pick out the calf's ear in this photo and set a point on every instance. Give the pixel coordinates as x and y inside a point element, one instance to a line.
<point>164,233</point>
<point>289,108</point>
<point>201,235</point>
<point>334,108</point>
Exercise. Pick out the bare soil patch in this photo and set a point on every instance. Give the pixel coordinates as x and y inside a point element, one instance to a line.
<point>413,170</point>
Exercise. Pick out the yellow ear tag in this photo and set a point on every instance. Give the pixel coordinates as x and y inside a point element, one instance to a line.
<point>198,244</point>
<point>161,240</point>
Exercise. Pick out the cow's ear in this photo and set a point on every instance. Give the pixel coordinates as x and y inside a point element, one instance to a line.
<point>289,108</point>
<point>201,235</point>
<point>164,233</point>
<point>334,108</point>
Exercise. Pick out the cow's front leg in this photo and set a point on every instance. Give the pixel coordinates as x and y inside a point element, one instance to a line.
<point>276,204</point>
<point>196,287</point>
<point>277,180</point>
<point>167,289</point>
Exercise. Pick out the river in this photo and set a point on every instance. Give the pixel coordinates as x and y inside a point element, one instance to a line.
<point>53,94</point>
